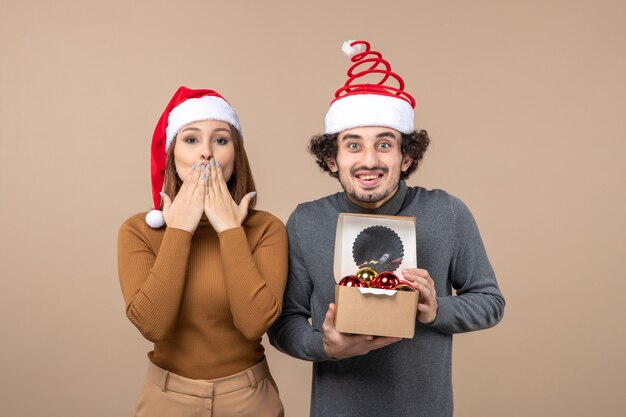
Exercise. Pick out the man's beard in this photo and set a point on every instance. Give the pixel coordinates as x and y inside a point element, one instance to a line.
<point>369,197</point>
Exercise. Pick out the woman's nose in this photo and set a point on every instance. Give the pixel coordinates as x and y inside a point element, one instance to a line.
<point>206,153</point>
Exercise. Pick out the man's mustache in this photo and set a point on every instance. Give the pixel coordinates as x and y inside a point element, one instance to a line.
<point>363,168</point>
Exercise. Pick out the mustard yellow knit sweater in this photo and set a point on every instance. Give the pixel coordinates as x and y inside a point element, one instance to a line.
<point>204,299</point>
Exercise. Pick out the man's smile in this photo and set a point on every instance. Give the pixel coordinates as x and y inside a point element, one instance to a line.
<point>369,178</point>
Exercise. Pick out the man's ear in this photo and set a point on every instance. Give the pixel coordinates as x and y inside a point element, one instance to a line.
<point>406,162</point>
<point>331,164</point>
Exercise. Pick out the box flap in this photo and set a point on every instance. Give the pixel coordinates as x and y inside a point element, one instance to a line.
<point>380,242</point>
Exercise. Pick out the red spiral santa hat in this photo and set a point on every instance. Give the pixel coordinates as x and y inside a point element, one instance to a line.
<point>186,106</point>
<point>359,103</point>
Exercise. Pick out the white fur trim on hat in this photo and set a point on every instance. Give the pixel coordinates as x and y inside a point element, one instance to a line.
<point>361,110</point>
<point>197,109</point>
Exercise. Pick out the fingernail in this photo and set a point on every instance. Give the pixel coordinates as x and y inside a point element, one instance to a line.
<point>217,164</point>
<point>203,168</point>
<point>193,166</point>
<point>253,194</point>
<point>161,194</point>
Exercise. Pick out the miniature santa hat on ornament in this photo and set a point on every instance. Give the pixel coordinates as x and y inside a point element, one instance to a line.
<point>359,103</point>
<point>187,106</point>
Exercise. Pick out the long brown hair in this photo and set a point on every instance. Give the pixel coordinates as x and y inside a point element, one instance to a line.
<point>239,184</point>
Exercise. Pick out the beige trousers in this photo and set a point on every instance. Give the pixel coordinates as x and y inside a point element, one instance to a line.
<point>251,392</point>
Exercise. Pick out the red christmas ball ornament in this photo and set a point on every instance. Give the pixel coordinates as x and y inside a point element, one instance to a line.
<point>352,281</point>
<point>385,280</point>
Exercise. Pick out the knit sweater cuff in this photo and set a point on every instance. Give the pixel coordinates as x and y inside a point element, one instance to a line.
<point>233,233</point>
<point>179,234</point>
<point>174,250</point>
<point>445,314</point>
<point>316,344</point>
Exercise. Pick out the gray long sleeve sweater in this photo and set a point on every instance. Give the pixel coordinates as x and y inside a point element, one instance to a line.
<point>411,377</point>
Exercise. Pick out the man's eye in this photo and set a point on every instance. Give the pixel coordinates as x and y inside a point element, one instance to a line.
<point>353,146</point>
<point>384,145</point>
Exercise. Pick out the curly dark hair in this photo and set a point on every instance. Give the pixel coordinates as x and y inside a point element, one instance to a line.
<point>413,144</point>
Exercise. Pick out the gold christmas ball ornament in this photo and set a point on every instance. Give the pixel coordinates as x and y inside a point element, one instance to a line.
<point>366,274</point>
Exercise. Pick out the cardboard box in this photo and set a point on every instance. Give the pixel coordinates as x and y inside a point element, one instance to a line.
<point>384,243</point>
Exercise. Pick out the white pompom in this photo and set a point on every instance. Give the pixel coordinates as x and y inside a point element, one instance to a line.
<point>155,219</point>
<point>351,50</point>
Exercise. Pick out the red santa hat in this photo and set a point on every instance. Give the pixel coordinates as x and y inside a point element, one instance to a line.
<point>359,103</point>
<point>186,106</point>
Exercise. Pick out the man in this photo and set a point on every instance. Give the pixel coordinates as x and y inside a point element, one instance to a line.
<point>371,146</point>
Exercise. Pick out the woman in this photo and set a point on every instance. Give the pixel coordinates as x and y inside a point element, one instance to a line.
<point>204,278</point>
